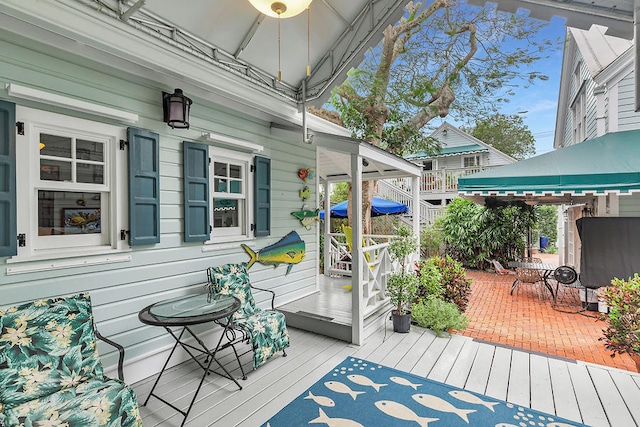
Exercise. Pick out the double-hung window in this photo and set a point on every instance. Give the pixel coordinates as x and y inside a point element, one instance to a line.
<point>231,211</point>
<point>67,185</point>
<point>471,161</point>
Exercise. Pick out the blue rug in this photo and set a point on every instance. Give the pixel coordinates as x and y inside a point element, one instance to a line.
<point>360,393</point>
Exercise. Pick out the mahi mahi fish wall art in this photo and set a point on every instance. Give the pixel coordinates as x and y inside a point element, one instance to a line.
<point>288,250</point>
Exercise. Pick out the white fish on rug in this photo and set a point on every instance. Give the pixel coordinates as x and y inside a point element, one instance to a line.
<point>467,397</point>
<point>404,381</point>
<point>434,402</point>
<point>321,400</point>
<point>556,424</point>
<point>334,422</point>
<point>338,387</point>
<point>365,381</point>
<point>401,412</point>
<point>506,425</point>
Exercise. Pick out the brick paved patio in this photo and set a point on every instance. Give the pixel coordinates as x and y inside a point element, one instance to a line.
<point>528,323</point>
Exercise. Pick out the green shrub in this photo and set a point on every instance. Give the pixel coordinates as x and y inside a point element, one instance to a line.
<point>438,315</point>
<point>475,234</point>
<point>456,288</point>
<point>430,285</point>
<point>622,334</point>
<point>444,278</point>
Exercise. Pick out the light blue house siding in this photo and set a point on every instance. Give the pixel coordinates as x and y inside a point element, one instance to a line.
<point>628,118</point>
<point>171,267</point>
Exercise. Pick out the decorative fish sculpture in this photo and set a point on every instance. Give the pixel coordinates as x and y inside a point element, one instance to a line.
<point>401,412</point>
<point>334,422</point>
<point>305,193</point>
<point>438,404</point>
<point>405,382</point>
<point>365,381</point>
<point>467,397</point>
<point>288,250</point>
<point>321,400</point>
<point>338,387</point>
<point>307,217</point>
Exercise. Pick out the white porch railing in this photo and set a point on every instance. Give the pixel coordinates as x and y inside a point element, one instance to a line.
<point>376,266</point>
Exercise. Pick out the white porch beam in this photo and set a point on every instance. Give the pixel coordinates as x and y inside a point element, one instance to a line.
<point>357,309</point>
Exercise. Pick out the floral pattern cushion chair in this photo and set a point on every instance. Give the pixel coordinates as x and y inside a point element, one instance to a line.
<point>50,373</point>
<point>266,330</point>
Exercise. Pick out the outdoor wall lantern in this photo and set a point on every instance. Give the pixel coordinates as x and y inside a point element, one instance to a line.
<point>175,107</point>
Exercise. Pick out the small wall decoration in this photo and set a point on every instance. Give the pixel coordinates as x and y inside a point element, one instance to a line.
<point>305,174</point>
<point>305,193</point>
<point>288,250</point>
<point>307,216</point>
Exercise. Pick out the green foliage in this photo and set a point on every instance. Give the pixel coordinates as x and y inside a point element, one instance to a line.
<point>506,133</point>
<point>438,315</point>
<point>456,288</point>
<point>340,192</point>
<point>475,234</point>
<point>431,239</point>
<point>547,222</point>
<point>622,334</point>
<point>430,280</point>
<point>401,289</point>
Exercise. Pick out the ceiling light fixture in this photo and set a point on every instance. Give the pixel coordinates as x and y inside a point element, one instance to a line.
<point>281,9</point>
<point>286,9</point>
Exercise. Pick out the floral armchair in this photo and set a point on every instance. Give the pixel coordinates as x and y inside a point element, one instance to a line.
<point>50,373</point>
<point>265,330</point>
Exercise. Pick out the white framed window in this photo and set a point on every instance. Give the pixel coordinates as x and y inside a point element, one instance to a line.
<point>71,186</point>
<point>579,107</point>
<point>230,189</point>
<point>470,161</point>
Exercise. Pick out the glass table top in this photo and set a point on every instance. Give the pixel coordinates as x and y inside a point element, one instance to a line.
<point>191,306</point>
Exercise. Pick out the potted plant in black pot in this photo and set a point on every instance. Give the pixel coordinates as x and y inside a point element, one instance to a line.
<point>403,284</point>
<point>622,334</point>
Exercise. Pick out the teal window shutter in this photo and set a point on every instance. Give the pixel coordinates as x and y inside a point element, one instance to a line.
<point>262,196</point>
<point>144,187</point>
<point>196,192</point>
<point>8,227</point>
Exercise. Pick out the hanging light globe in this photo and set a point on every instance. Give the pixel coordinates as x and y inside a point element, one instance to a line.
<point>283,9</point>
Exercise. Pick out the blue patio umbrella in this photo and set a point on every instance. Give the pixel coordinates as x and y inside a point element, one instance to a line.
<point>379,207</point>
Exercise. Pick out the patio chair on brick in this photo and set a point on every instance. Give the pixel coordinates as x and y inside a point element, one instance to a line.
<point>499,268</point>
<point>527,276</point>
<point>50,373</point>
<point>265,330</point>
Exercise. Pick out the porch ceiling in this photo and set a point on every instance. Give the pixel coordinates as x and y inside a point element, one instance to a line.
<point>238,40</point>
<point>235,36</point>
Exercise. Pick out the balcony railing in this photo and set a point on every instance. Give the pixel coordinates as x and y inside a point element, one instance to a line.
<point>440,181</point>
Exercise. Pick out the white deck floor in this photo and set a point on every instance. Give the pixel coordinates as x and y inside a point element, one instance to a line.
<point>595,395</point>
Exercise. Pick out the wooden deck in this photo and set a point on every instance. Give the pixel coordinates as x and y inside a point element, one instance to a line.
<point>595,395</point>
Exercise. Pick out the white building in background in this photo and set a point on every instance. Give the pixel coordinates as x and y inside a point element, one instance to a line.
<point>597,89</point>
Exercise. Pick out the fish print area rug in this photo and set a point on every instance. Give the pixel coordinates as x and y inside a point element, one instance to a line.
<point>360,393</point>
